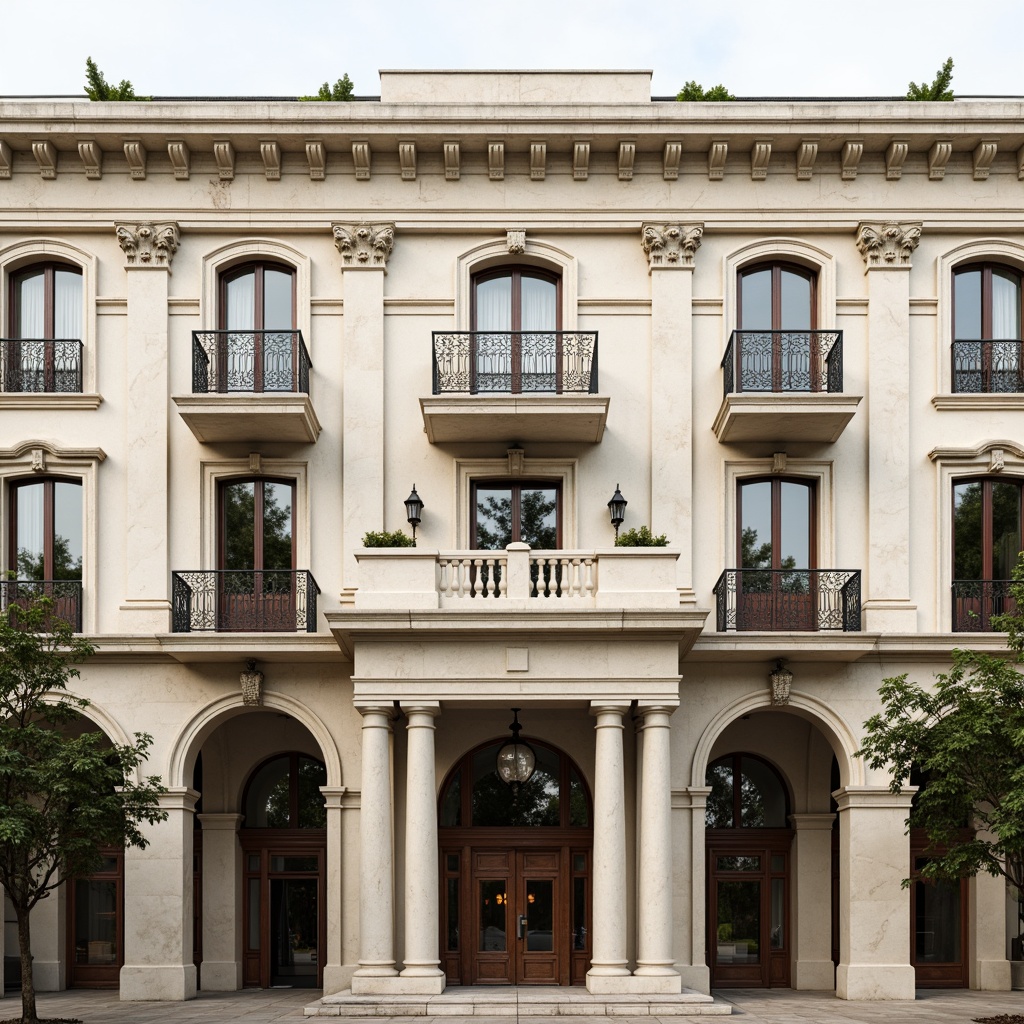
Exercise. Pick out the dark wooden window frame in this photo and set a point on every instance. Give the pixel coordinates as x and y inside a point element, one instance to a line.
<point>777,267</point>
<point>517,272</point>
<point>776,482</point>
<point>517,486</point>
<point>49,493</point>
<point>293,786</point>
<point>97,975</point>
<point>256,267</point>
<point>49,269</point>
<point>222,525</point>
<point>986,269</point>
<point>986,516</point>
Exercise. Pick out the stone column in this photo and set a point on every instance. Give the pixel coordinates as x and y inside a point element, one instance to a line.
<point>608,965</point>
<point>887,249</point>
<point>335,978</point>
<point>670,250</point>
<point>422,925</point>
<point>149,249</point>
<point>365,249</point>
<point>376,868</point>
<point>874,909</point>
<point>158,917</point>
<point>654,904</point>
<point>989,968</point>
<point>690,887</point>
<point>811,901</point>
<point>222,902</point>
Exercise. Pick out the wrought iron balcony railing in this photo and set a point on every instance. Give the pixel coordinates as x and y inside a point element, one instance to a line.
<point>66,596</point>
<point>783,361</point>
<point>41,366</point>
<point>987,367</point>
<point>975,602</point>
<point>783,600</point>
<point>244,601</point>
<point>515,362</point>
<point>249,362</point>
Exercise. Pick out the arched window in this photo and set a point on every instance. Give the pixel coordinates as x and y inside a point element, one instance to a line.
<point>43,348</point>
<point>987,305</point>
<point>746,792</point>
<point>988,534</point>
<point>284,792</point>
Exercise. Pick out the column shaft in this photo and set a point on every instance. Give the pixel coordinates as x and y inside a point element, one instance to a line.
<point>222,902</point>
<point>812,902</point>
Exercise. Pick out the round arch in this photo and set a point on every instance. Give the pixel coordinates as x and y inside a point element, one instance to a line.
<point>197,730</point>
<point>839,735</point>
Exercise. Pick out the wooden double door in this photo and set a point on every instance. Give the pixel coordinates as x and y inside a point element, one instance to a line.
<point>516,915</point>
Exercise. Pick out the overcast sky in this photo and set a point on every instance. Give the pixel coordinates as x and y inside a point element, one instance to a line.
<point>289,47</point>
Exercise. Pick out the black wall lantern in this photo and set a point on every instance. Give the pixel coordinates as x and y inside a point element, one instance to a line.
<point>413,511</point>
<point>516,760</point>
<point>617,509</point>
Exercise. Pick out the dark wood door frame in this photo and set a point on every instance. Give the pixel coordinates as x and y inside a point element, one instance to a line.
<point>952,974</point>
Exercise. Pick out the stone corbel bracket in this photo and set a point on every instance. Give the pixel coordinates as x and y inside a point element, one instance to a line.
<point>6,159</point>
<point>92,159</point>
<point>888,245</point>
<point>671,245</point>
<point>364,245</point>
<point>148,244</point>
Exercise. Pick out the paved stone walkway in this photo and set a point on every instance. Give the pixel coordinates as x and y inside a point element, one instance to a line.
<point>778,1006</point>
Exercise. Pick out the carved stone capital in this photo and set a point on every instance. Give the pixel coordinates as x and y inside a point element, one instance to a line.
<point>364,245</point>
<point>671,245</point>
<point>889,244</point>
<point>148,244</point>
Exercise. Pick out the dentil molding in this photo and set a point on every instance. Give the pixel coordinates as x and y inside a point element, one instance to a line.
<point>148,244</point>
<point>888,245</point>
<point>671,245</point>
<point>364,245</point>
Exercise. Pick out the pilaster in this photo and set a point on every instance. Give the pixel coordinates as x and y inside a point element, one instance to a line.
<point>670,249</point>
<point>887,250</point>
<point>812,901</point>
<point>989,968</point>
<point>333,904</point>
<point>222,902</point>
<point>149,249</point>
<point>689,808</point>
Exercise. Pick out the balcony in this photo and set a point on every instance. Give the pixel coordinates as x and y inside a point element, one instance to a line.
<point>40,366</point>
<point>514,385</point>
<point>249,386</point>
<point>975,602</point>
<point>784,386</point>
<point>987,368</point>
<point>66,596</point>
<point>788,600</point>
<point>244,601</point>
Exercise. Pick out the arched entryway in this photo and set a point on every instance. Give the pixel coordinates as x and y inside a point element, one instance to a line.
<point>515,872</point>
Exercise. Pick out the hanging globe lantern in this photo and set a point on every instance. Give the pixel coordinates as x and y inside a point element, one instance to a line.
<point>516,760</point>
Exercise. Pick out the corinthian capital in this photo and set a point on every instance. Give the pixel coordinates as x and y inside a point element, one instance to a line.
<point>671,245</point>
<point>148,244</point>
<point>888,245</point>
<point>364,245</point>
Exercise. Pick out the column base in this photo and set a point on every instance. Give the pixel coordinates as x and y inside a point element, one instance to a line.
<point>814,976</point>
<point>632,985</point>
<point>695,976</point>
<point>337,978</point>
<point>170,983</point>
<point>145,616</point>
<point>47,975</point>
<point>398,985</point>
<point>889,617</point>
<point>992,976</point>
<point>221,975</point>
<point>875,981</point>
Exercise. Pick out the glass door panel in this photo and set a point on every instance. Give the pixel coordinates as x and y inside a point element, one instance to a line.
<point>294,932</point>
<point>739,923</point>
<point>938,913</point>
<point>539,913</point>
<point>493,905</point>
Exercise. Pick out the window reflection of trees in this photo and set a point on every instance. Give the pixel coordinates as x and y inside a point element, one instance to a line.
<point>538,525</point>
<point>745,793</point>
<point>285,793</point>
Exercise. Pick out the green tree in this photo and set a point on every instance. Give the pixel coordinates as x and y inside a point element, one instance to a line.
<point>692,92</point>
<point>98,88</point>
<point>965,736</point>
<point>65,792</point>
<point>342,91</point>
<point>939,89</point>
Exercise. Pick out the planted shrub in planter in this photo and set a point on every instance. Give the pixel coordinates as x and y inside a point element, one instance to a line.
<point>387,539</point>
<point>640,537</point>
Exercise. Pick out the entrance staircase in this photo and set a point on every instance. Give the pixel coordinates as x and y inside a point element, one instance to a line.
<point>512,1001</point>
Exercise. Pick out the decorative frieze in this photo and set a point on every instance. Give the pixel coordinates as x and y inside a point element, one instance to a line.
<point>407,160</point>
<point>224,155</point>
<point>496,161</point>
<point>853,150</point>
<point>364,245</point>
<point>135,154</point>
<point>717,155</point>
<point>361,158</point>
<point>984,154</point>
<point>516,241</point>
<point>670,158</point>
<point>627,155</point>
<point>806,155</point>
<point>938,157</point>
<point>148,244</point>
<point>538,161</point>
<point>92,159</point>
<point>580,161</point>
<point>671,245</point>
<point>270,151</point>
<point>894,157</point>
<point>760,155</point>
<point>181,159</point>
<point>452,161</point>
<point>316,157</point>
<point>46,157</point>
<point>888,245</point>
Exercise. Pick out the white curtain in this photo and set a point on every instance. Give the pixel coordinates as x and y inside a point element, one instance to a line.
<point>539,312</point>
<point>241,311</point>
<point>67,305</point>
<point>494,305</point>
<point>1005,308</point>
<point>29,541</point>
<point>30,306</point>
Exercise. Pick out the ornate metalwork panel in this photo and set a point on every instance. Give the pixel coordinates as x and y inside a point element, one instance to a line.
<point>41,365</point>
<point>783,361</point>
<point>784,600</point>
<point>66,596</point>
<point>248,601</point>
<point>976,602</point>
<point>987,367</point>
<point>249,362</point>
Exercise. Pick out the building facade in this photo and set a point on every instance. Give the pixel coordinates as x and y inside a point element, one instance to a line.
<point>237,334</point>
